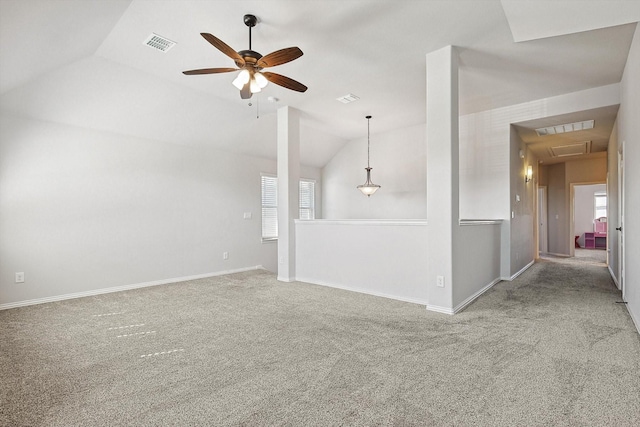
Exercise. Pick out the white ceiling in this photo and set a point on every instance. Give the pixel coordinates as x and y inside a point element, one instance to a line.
<point>84,63</point>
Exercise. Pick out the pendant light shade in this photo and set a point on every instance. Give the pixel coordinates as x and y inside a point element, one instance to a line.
<point>368,188</point>
<point>242,79</point>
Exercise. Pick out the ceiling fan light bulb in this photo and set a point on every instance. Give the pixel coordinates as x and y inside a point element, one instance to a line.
<point>254,87</point>
<point>242,79</point>
<point>261,80</point>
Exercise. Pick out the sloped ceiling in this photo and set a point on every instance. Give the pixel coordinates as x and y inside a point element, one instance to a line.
<point>84,63</point>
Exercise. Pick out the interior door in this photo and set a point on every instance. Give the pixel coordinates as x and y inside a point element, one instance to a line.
<point>543,246</point>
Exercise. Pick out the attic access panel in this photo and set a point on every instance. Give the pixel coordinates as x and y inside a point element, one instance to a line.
<point>576,149</point>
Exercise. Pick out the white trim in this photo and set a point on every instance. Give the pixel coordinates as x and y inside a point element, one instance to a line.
<point>480,222</point>
<point>361,291</point>
<point>360,222</point>
<point>438,309</point>
<point>123,288</point>
<point>636,322</point>
<point>525,268</point>
<point>469,300</point>
<point>615,280</point>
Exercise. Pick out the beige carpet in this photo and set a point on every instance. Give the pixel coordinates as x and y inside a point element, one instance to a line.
<point>551,348</point>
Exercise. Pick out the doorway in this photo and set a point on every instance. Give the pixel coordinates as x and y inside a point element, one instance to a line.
<point>589,218</point>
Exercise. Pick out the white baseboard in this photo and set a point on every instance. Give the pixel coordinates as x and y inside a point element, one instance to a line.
<point>469,300</point>
<point>362,291</point>
<point>438,309</point>
<point>522,270</point>
<point>635,321</point>
<point>613,276</point>
<point>463,304</point>
<point>122,288</point>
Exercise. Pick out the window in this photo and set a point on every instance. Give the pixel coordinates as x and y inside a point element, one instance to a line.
<point>269,207</point>
<point>307,199</point>
<point>600,202</point>
<point>270,204</point>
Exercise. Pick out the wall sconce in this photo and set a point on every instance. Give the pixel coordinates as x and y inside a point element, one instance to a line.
<point>529,175</point>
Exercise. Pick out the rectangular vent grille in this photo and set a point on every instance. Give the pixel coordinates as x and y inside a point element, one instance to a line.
<point>569,127</point>
<point>571,149</point>
<point>158,42</point>
<point>348,98</point>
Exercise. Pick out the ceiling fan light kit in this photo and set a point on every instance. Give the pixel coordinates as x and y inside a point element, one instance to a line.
<point>251,78</point>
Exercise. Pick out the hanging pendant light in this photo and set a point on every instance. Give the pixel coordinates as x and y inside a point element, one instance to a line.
<point>368,188</point>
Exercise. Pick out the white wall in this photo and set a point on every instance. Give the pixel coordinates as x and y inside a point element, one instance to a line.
<point>398,162</point>
<point>384,258</point>
<point>478,261</point>
<point>83,210</point>
<point>629,136</point>
<point>523,205</point>
<point>584,208</point>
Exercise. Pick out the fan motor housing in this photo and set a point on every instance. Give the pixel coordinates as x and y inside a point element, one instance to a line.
<point>250,56</point>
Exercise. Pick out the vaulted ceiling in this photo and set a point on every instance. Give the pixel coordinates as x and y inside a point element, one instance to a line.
<point>83,63</point>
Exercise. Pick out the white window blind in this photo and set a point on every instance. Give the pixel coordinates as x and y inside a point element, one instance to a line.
<point>270,204</point>
<point>269,207</point>
<point>307,199</point>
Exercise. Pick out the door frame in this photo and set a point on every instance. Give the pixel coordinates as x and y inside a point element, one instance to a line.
<point>621,190</point>
<point>542,213</point>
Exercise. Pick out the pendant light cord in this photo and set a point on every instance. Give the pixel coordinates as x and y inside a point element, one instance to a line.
<point>368,140</point>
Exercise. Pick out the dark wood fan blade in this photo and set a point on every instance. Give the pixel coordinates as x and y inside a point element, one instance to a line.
<point>209,71</point>
<point>284,81</point>
<point>279,57</point>
<point>224,48</point>
<point>245,93</point>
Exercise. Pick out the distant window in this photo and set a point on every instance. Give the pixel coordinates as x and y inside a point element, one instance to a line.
<point>307,199</point>
<point>600,203</point>
<point>270,204</point>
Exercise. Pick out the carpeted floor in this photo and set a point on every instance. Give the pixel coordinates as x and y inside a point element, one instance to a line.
<point>589,256</point>
<point>551,348</point>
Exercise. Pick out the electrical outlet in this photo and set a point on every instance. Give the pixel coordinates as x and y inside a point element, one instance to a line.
<point>440,281</point>
<point>225,255</point>
<point>19,277</point>
<point>247,215</point>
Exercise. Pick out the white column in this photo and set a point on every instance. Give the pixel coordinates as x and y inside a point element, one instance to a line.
<point>288,190</point>
<point>443,209</point>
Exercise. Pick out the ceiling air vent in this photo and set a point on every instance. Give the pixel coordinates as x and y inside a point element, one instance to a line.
<point>348,98</point>
<point>158,42</point>
<point>571,149</point>
<point>569,127</point>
